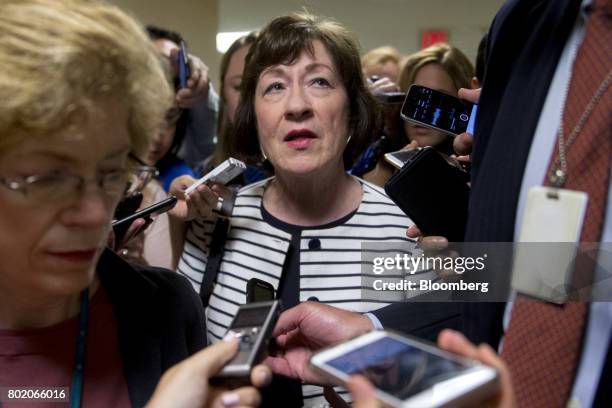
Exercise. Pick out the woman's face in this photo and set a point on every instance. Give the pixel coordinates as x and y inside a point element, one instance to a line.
<point>232,81</point>
<point>52,233</point>
<point>302,114</point>
<point>432,76</point>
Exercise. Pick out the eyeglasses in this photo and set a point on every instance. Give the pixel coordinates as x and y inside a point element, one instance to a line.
<point>63,187</point>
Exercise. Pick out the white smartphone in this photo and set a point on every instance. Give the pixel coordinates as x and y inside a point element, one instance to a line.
<point>223,173</point>
<point>407,372</point>
<point>399,158</point>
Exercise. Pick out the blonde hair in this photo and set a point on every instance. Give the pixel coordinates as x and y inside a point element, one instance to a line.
<point>60,58</point>
<point>379,56</point>
<point>454,62</point>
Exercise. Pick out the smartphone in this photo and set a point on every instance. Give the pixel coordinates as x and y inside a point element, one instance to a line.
<point>432,190</point>
<point>407,372</point>
<point>399,158</point>
<point>121,226</point>
<point>259,291</point>
<point>223,173</point>
<point>437,110</point>
<point>253,324</point>
<point>390,97</point>
<point>183,66</point>
<point>128,205</point>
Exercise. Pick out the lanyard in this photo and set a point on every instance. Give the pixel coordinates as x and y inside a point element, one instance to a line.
<point>76,389</point>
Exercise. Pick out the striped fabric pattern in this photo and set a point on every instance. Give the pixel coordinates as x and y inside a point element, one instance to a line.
<point>255,249</point>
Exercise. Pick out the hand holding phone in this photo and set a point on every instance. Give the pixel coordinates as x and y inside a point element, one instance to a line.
<point>121,226</point>
<point>437,110</point>
<point>407,372</point>
<point>432,190</point>
<point>184,71</point>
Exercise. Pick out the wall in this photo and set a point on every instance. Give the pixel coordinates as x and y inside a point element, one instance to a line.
<point>377,22</point>
<point>374,22</point>
<point>196,20</point>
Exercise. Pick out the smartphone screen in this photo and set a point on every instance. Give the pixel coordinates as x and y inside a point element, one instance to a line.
<point>398,368</point>
<point>437,110</point>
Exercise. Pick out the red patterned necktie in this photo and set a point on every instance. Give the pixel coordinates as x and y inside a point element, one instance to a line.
<point>543,341</point>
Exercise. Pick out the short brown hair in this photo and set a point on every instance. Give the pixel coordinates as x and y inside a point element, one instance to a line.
<point>281,42</point>
<point>454,62</point>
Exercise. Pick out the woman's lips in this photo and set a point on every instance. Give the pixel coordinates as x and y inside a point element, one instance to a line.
<point>300,139</point>
<point>81,256</point>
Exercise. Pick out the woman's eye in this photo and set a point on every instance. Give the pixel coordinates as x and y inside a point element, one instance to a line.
<point>321,82</point>
<point>275,87</point>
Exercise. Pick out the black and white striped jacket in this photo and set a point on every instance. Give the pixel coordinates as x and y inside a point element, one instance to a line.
<point>330,272</point>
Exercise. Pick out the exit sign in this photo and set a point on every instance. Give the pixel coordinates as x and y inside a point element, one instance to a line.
<point>431,37</point>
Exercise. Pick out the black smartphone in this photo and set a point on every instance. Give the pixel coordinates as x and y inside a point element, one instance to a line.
<point>121,226</point>
<point>390,97</point>
<point>259,291</point>
<point>128,205</point>
<point>437,110</point>
<point>432,190</point>
<point>183,66</point>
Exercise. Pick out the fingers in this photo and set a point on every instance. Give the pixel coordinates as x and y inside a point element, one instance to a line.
<point>414,232</point>
<point>202,200</point>
<point>463,144</point>
<point>290,319</point>
<point>240,397</point>
<point>362,392</point>
<point>279,366</point>
<point>411,146</point>
<point>133,230</point>
<point>197,84</point>
<point>456,342</point>
<point>261,376</point>
<point>180,184</point>
<point>433,243</point>
<point>209,361</point>
<point>470,95</point>
<point>384,85</point>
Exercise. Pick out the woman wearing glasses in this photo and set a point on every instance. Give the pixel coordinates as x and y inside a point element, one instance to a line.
<point>81,87</point>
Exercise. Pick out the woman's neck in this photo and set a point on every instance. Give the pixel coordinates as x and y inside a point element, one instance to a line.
<point>314,199</point>
<point>23,311</point>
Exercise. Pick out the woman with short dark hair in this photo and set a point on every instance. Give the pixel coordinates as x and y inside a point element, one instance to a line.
<point>305,108</point>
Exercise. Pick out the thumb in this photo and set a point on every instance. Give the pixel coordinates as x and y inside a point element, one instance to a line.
<point>362,391</point>
<point>209,361</point>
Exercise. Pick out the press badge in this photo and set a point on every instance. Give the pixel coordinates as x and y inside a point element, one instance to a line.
<point>544,259</point>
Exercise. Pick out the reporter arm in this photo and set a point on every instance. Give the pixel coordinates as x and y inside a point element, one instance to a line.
<point>199,203</point>
<point>187,385</point>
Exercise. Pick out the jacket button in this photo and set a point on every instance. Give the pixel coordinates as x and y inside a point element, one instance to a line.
<point>314,243</point>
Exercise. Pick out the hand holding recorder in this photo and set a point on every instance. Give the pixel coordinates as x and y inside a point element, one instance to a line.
<point>200,197</point>
<point>187,385</point>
